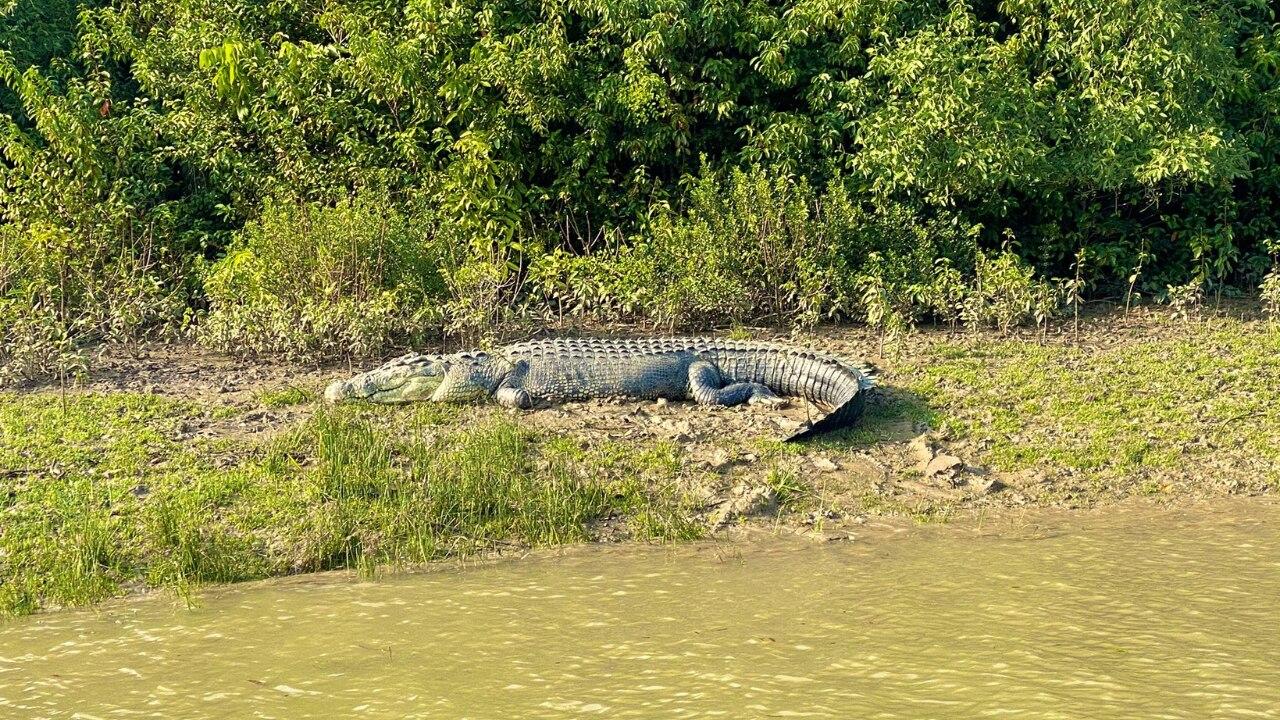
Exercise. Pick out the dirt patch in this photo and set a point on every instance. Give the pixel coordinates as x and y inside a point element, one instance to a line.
<point>191,372</point>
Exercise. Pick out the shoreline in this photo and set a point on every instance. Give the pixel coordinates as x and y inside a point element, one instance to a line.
<point>755,538</point>
<point>172,467</point>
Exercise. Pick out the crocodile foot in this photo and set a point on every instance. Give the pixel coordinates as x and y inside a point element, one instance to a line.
<point>767,399</point>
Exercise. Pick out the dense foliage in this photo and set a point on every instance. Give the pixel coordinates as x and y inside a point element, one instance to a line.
<point>323,280</point>
<point>685,161</point>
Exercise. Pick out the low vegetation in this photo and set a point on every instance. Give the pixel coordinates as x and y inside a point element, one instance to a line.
<point>309,281</point>
<point>105,493</point>
<point>1146,404</point>
<point>1156,412</point>
<point>285,396</point>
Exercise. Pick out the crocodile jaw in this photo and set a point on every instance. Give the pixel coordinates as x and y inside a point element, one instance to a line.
<point>399,381</point>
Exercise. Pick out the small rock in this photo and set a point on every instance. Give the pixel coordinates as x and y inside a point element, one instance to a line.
<point>140,491</point>
<point>921,449</point>
<point>818,516</point>
<point>744,500</point>
<point>720,458</point>
<point>677,427</point>
<point>660,403</point>
<point>825,464</point>
<point>786,424</point>
<point>942,463</point>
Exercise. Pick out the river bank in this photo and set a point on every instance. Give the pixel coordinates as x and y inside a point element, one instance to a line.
<point>170,467</point>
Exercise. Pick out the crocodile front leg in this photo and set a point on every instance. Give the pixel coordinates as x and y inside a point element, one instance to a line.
<point>708,388</point>
<point>511,392</point>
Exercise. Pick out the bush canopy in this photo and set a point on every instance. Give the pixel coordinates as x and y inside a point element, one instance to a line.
<point>667,157</point>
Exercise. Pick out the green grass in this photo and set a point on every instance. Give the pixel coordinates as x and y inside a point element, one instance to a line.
<point>1143,406</point>
<point>1205,397</point>
<point>101,498</point>
<point>792,493</point>
<point>285,397</point>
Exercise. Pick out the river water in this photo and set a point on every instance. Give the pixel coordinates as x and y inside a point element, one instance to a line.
<point>1135,613</point>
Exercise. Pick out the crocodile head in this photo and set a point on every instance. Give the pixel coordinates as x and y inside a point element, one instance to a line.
<point>412,377</point>
<point>441,378</point>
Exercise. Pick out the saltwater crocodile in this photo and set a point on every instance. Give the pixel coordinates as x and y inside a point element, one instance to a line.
<point>709,371</point>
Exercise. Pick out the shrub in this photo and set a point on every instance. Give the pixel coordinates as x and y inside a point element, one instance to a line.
<point>758,246</point>
<point>749,246</point>
<point>910,268</point>
<point>483,284</point>
<point>1270,294</point>
<point>310,280</point>
<point>60,291</point>
<point>945,295</point>
<point>1185,300</point>
<point>1005,293</point>
<point>91,247</point>
<point>1002,292</point>
<point>508,115</point>
<point>890,299</point>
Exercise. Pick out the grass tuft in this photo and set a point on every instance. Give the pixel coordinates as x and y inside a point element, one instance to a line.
<point>285,397</point>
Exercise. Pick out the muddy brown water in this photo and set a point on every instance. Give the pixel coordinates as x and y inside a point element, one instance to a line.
<point>1134,613</point>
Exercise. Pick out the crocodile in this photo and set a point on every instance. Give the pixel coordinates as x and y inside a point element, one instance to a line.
<point>707,370</point>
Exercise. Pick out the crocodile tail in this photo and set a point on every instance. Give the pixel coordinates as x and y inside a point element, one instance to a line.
<point>842,417</point>
<point>870,376</point>
<point>845,414</point>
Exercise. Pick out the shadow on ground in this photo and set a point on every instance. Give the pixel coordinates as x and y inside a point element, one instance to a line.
<point>893,415</point>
